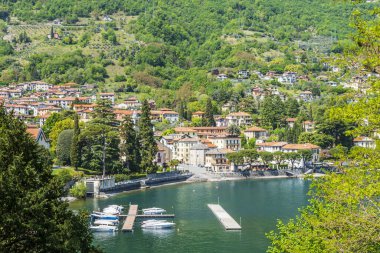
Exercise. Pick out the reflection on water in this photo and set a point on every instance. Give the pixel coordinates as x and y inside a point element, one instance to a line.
<point>259,203</point>
<point>104,236</point>
<point>159,233</point>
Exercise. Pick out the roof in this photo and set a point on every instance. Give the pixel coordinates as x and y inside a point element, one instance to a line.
<point>196,139</point>
<point>184,129</point>
<point>255,129</point>
<point>291,119</point>
<point>198,113</point>
<point>219,151</point>
<point>199,146</point>
<point>239,114</point>
<point>272,144</point>
<point>34,131</point>
<point>363,139</point>
<point>300,146</point>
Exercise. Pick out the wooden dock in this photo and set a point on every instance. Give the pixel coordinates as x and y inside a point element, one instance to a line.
<point>130,220</point>
<point>227,221</point>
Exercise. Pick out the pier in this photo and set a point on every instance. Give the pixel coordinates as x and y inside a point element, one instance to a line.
<point>130,220</point>
<point>227,221</point>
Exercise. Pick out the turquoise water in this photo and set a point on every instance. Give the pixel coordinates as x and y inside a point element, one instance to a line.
<point>259,203</point>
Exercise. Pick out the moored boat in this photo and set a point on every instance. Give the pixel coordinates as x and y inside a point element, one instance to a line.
<point>104,216</point>
<point>106,222</point>
<point>153,210</point>
<point>157,224</point>
<point>103,228</point>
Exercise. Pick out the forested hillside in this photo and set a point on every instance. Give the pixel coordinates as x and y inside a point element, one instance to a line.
<point>153,48</point>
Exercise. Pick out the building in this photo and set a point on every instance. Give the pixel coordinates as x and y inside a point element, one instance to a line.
<point>243,74</point>
<point>308,126</point>
<point>306,96</point>
<point>185,131</point>
<point>197,115</point>
<point>239,119</point>
<point>216,160</point>
<point>288,78</point>
<point>291,122</point>
<point>307,146</point>
<point>182,149</point>
<point>222,77</point>
<point>256,132</point>
<point>365,142</point>
<point>38,135</point>
<point>271,146</point>
<point>226,142</point>
<point>107,96</point>
<point>198,154</point>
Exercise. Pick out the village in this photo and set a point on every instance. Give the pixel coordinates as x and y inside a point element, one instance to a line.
<point>206,147</point>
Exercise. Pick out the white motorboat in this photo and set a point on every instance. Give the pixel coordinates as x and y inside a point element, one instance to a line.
<point>153,210</point>
<point>104,216</point>
<point>157,224</point>
<point>106,222</point>
<point>113,209</point>
<point>103,228</point>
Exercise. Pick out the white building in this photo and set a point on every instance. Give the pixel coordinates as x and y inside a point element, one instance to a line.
<point>365,142</point>
<point>239,119</point>
<point>288,78</point>
<point>256,132</point>
<point>226,142</point>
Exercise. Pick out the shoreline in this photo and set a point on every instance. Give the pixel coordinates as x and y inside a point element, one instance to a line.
<point>192,180</point>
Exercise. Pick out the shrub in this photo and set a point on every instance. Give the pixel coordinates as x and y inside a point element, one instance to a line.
<point>79,190</point>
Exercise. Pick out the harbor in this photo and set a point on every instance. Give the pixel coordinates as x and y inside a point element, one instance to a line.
<point>258,202</point>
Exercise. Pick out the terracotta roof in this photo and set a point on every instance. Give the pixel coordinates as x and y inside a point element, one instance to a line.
<point>198,113</point>
<point>184,129</point>
<point>34,131</point>
<point>291,119</point>
<point>363,138</point>
<point>239,114</point>
<point>301,146</point>
<point>255,129</point>
<point>272,144</point>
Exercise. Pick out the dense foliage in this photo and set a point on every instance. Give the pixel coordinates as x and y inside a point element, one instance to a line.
<point>34,219</point>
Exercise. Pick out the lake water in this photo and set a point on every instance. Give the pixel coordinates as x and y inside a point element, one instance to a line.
<point>259,203</point>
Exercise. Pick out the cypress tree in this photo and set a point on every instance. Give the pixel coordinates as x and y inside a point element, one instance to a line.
<point>52,33</point>
<point>148,143</point>
<point>208,119</point>
<point>130,146</point>
<point>75,149</point>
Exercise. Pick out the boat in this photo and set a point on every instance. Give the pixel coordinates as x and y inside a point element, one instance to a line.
<point>113,209</point>
<point>103,228</point>
<point>157,224</point>
<point>153,210</point>
<point>106,222</point>
<point>104,216</point>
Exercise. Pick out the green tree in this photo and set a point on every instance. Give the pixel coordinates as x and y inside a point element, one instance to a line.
<point>100,140</point>
<point>28,188</point>
<point>272,112</point>
<point>292,107</point>
<point>208,117</point>
<point>146,137</point>
<point>292,157</point>
<point>237,158</point>
<point>279,157</point>
<point>57,129</point>
<point>233,130</point>
<point>130,145</point>
<point>75,154</point>
<point>322,140</point>
<point>306,155</point>
<point>250,156</point>
<point>266,157</point>
<point>64,144</point>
